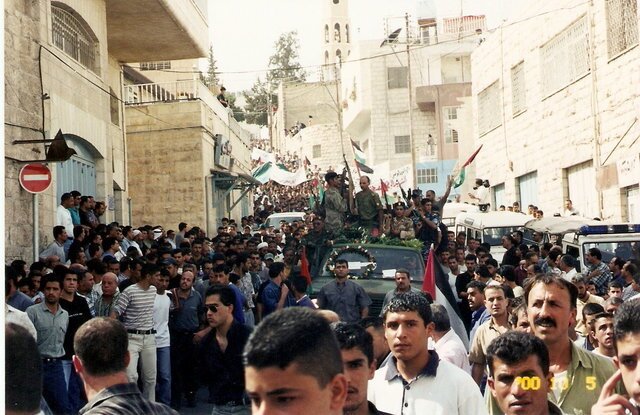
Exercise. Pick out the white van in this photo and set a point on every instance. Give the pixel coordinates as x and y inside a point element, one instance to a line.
<point>453,209</point>
<point>275,219</point>
<point>490,227</point>
<point>613,240</point>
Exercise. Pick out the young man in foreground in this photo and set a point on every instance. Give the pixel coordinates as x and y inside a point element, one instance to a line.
<point>293,365</point>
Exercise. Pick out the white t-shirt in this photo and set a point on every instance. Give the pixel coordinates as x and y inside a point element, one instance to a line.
<point>161,308</point>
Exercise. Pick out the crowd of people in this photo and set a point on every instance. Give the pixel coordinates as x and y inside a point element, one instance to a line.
<point>138,320</point>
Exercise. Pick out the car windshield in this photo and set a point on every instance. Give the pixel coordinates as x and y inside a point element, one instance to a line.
<point>388,259</point>
<point>275,221</point>
<point>609,249</point>
<point>493,236</point>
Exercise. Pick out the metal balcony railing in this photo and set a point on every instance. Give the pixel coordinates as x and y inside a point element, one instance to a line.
<point>165,92</point>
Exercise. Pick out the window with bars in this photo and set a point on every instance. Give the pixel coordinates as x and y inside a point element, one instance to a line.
<point>155,66</point>
<point>450,115</point>
<point>316,151</point>
<point>489,114</point>
<point>74,39</point>
<point>427,176</point>
<point>622,26</point>
<point>518,89</point>
<point>397,77</point>
<point>402,144</point>
<point>565,58</point>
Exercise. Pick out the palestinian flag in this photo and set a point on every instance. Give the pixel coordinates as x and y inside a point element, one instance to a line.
<point>436,284</point>
<point>360,159</point>
<point>457,182</point>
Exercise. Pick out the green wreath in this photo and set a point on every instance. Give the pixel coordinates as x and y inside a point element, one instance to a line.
<point>330,266</point>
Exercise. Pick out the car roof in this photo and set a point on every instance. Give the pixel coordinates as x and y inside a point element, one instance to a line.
<point>556,224</point>
<point>491,219</point>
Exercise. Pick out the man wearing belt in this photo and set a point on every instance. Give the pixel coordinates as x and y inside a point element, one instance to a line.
<point>184,322</point>
<point>51,323</point>
<point>135,309</point>
<point>221,353</point>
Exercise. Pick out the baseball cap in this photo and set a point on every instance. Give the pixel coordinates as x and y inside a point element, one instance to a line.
<point>268,256</point>
<point>168,261</point>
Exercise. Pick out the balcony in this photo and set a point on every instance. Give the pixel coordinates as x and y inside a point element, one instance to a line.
<point>156,30</point>
<point>183,91</point>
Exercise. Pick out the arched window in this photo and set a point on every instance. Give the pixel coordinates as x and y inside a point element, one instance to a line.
<point>326,33</point>
<point>346,32</point>
<point>339,57</point>
<point>74,38</point>
<point>336,32</point>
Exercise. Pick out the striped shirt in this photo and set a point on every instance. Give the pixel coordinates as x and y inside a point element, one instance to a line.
<point>135,307</point>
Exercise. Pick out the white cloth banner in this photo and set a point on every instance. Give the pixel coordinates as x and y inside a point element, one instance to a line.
<point>287,178</point>
<point>263,156</point>
<point>628,171</point>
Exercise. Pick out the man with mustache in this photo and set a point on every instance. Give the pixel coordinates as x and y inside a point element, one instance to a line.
<point>356,347</point>
<point>578,375</point>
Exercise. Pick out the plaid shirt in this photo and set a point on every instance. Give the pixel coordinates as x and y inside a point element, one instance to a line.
<point>91,298</point>
<point>601,280</point>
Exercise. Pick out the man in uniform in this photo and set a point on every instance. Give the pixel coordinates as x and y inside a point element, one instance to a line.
<point>345,297</point>
<point>335,206</point>
<point>401,226</point>
<point>368,205</point>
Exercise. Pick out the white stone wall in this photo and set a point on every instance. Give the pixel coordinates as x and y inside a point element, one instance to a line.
<point>558,131</point>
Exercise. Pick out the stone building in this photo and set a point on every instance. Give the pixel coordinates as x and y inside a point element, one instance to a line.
<point>376,95</point>
<point>556,98</point>
<point>190,156</point>
<point>63,71</point>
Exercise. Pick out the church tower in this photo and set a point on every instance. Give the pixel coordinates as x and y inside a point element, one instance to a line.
<point>336,36</point>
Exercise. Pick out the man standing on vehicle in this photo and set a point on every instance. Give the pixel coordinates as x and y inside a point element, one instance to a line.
<point>335,206</point>
<point>368,205</point>
<point>343,296</point>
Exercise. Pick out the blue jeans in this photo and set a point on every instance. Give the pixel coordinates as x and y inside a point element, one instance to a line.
<point>75,389</point>
<point>163,378</point>
<point>54,387</point>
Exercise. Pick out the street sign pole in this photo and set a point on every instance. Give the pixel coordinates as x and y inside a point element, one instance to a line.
<point>36,227</point>
<point>35,178</point>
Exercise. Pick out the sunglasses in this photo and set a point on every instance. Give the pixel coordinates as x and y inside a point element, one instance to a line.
<point>212,307</point>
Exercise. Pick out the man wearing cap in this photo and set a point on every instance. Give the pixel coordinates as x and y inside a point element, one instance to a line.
<point>335,206</point>
<point>268,261</point>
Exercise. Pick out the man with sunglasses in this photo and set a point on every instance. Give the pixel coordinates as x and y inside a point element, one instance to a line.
<point>221,353</point>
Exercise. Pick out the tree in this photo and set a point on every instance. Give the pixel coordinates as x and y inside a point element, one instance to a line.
<point>258,103</point>
<point>211,79</point>
<point>283,67</point>
<point>283,64</point>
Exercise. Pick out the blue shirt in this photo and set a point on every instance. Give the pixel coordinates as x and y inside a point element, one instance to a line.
<point>20,300</point>
<point>477,318</point>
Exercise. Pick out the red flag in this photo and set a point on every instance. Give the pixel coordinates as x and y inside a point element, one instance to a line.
<point>383,186</point>
<point>306,161</point>
<point>304,266</point>
<point>429,282</point>
<point>473,156</point>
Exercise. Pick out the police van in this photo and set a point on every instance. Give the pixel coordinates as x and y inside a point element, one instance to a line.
<point>490,227</point>
<point>613,240</point>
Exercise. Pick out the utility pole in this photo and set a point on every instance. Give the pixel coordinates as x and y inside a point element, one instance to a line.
<point>339,105</point>
<point>409,86</point>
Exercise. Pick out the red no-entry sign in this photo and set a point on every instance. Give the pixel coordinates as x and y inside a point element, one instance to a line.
<point>35,178</point>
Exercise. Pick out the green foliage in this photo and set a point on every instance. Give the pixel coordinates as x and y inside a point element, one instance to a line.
<point>211,78</point>
<point>238,113</point>
<point>283,66</point>
<point>363,236</point>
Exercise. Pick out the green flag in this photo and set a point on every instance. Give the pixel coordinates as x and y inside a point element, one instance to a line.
<point>457,182</point>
